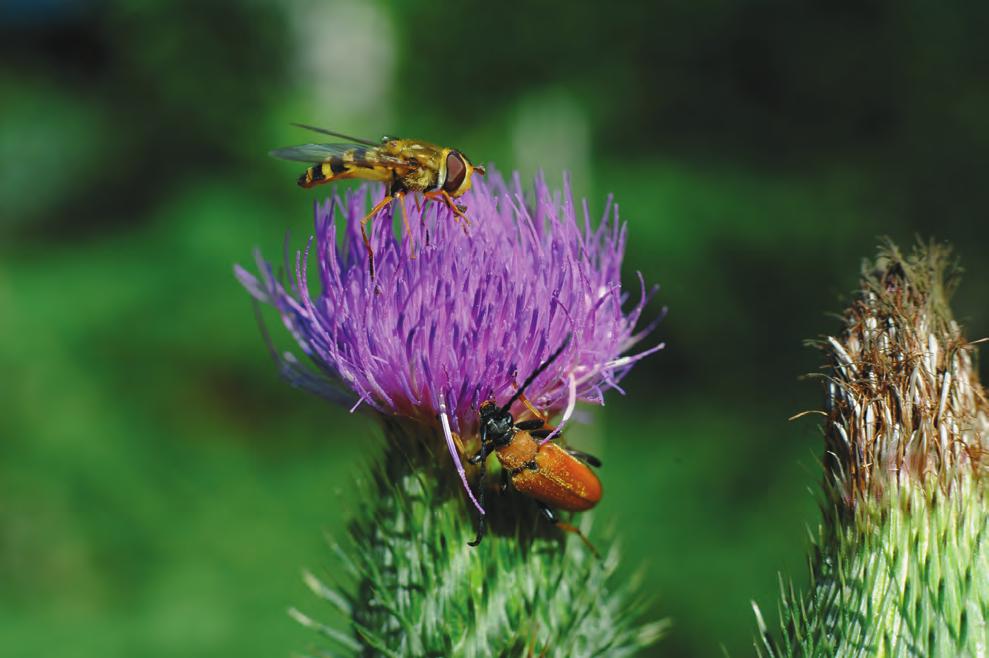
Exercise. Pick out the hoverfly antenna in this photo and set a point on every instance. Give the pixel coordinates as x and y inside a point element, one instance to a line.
<point>331,133</point>
<point>535,373</point>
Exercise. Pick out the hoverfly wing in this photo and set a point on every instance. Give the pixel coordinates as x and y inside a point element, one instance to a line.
<point>313,153</point>
<point>358,154</point>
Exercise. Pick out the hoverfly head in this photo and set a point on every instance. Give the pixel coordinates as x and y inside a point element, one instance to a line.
<point>458,173</point>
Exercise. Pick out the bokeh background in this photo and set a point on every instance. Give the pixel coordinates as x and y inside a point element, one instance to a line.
<point>161,488</point>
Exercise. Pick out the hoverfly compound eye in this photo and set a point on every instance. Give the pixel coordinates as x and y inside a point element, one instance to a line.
<point>456,170</point>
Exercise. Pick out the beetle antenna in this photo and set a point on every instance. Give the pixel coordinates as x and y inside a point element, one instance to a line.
<point>538,371</point>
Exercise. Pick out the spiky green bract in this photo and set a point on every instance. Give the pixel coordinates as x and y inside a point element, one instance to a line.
<point>413,587</point>
<point>901,564</point>
<point>907,577</point>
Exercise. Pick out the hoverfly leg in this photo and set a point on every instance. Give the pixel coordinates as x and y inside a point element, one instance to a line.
<point>400,197</point>
<point>455,209</point>
<point>439,195</point>
<point>378,207</point>
<point>421,209</point>
<point>430,196</point>
<point>566,527</point>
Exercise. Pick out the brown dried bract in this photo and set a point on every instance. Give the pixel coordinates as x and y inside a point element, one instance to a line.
<point>903,399</point>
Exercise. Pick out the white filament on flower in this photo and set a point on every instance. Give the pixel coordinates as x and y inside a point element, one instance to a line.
<point>571,404</point>
<point>452,447</point>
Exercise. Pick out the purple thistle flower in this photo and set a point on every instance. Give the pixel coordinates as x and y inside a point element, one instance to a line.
<point>458,315</point>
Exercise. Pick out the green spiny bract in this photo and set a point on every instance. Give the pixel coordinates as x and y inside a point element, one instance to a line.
<point>414,588</point>
<point>900,566</point>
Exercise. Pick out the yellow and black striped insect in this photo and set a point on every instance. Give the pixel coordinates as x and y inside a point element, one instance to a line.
<point>407,166</point>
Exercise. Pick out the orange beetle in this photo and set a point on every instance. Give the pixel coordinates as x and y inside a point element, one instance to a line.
<point>556,477</point>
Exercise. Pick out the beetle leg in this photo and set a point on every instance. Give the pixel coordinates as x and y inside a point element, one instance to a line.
<point>378,207</point>
<point>551,516</point>
<point>481,455</point>
<point>528,404</point>
<point>504,480</point>
<point>482,519</point>
<point>547,511</point>
<point>541,433</point>
<point>532,409</point>
<point>481,528</point>
<point>584,457</point>
<point>485,450</point>
<point>530,465</point>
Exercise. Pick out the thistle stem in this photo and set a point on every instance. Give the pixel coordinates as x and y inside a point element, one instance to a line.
<point>416,589</point>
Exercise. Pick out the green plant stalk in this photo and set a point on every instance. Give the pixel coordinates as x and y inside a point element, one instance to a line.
<point>414,587</point>
<point>909,577</point>
<point>900,566</point>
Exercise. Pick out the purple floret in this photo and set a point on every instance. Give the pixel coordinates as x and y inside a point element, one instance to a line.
<point>470,315</point>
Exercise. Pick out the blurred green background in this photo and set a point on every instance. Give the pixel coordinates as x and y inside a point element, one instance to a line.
<point>161,488</point>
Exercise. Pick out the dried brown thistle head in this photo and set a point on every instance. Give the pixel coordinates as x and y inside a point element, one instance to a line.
<point>904,403</point>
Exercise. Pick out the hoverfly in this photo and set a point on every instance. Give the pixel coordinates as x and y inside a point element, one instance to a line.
<point>439,173</point>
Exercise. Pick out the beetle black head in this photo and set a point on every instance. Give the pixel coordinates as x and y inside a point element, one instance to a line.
<point>497,424</point>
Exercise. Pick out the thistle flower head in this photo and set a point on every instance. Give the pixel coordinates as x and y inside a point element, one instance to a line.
<point>457,314</point>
